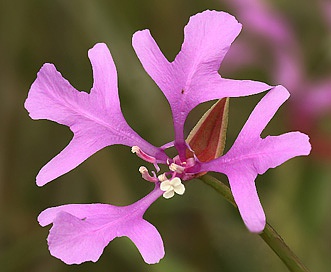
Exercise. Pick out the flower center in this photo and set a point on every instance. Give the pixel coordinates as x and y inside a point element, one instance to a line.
<point>170,181</point>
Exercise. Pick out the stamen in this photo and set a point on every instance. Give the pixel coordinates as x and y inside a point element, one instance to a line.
<point>141,154</point>
<point>145,175</point>
<point>176,168</point>
<point>162,177</point>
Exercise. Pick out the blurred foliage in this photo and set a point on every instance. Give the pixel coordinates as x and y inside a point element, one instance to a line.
<point>201,231</point>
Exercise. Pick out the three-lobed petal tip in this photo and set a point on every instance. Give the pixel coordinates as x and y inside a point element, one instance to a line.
<point>80,232</point>
<point>95,118</point>
<point>251,155</point>
<point>193,78</point>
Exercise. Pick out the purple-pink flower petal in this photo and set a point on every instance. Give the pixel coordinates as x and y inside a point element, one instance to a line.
<point>80,232</point>
<point>251,155</point>
<point>192,78</point>
<point>95,119</point>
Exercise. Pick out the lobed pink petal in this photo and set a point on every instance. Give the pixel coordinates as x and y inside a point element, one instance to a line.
<point>104,91</point>
<point>80,232</point>
<point>244,192</point>
<point>207,38</point>
<point>192,78</point>
<point>153,61</point>
<point>146,238</point>
<point>251,155</point>
<point>262,114</point>
<point>95,119</point>
<point>75,240</point>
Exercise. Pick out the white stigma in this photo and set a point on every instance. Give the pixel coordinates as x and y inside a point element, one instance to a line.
<point>170,187</point>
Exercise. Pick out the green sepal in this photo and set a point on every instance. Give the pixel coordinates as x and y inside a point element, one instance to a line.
<point>207,138</point>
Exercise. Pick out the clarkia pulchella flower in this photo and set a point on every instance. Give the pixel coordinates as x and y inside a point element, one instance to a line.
<point>81,231</point>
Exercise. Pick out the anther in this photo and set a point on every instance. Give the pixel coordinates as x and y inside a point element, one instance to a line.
<point>145,175</point>
<point>141,154</point>
<point>162,177</point>
<point>176,168</point>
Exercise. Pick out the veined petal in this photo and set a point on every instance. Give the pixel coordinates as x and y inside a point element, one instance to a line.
<point>95,119</point>
<point>192,78</point>
<point>251,155</point>
<point>147,239</point>
<point>207,38</point>
<point>80,232</point>
<point>244,192</point>
<point>153,60</point>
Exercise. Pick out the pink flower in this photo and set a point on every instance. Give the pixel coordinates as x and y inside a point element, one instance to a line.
<point>80,232</point>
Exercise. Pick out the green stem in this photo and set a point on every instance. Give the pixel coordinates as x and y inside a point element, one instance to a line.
<point>269,235</point>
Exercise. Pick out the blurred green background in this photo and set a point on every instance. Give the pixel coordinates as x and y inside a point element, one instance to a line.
<point>201,231</point>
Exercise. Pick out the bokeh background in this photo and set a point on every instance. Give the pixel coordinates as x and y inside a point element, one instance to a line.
<point>201,231</point>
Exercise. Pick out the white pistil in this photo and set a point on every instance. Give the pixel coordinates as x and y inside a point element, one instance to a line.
<point>176,168</point>
<point>170,187</point>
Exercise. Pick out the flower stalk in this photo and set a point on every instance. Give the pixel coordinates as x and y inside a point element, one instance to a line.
<point>269,234</point>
